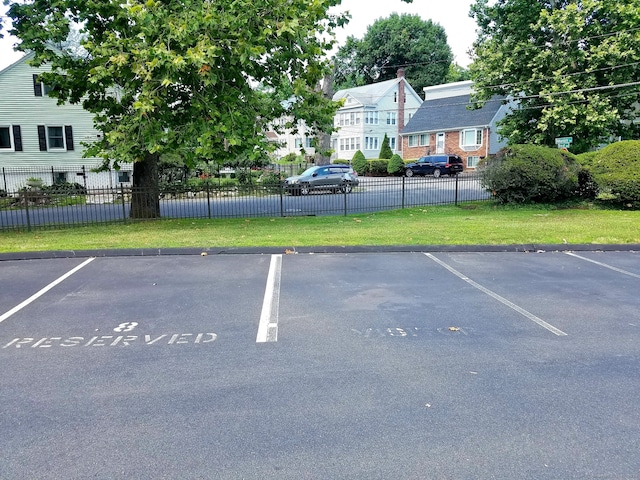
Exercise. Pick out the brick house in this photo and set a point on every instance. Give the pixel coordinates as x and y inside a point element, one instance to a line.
<point>445,124</point>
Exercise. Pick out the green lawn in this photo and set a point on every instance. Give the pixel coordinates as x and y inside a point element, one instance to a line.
<point>481,224</point>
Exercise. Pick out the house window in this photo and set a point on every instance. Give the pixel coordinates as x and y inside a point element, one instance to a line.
<point>357,119</point>
<point>471,137</point>
<point>413,140</point>
<point>392,143</point>
<point>424,139</point>
<point>371,118</point>
<point>6,142</point>
<point>391,118</point>
<point>124,177</point>
<point>308,142</point>
<point>59,177</point>
<point>55,138</point>
<point>10,138</point>
<point>297,143</point>
<point>472,162</point>
<point>371,143</point>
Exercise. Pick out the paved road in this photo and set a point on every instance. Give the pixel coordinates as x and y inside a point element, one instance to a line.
<point>452,365</point>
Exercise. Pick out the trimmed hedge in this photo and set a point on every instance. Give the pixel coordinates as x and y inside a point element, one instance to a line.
<point>616,169</point>
<point>359,163</point>
<point>378,167</point>
<point>395,165</point>
<point>530,174</point>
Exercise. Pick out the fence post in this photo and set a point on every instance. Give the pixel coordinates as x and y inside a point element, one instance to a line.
<point>124,210</point>
<point>208,199</point>
<point>403,177</point>
<point>456,202</point>
<point>344,194</point>
<point>4,177</point>
<point>26,209</point>
<point>281,201</point>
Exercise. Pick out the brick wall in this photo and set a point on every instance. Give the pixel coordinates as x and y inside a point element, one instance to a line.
<point>451,146</point>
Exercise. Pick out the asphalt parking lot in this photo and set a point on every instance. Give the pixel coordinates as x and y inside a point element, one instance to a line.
<point>391,365</point>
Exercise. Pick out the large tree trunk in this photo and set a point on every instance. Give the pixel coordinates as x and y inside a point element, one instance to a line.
<point>145,196</point>
<point>323,157</point>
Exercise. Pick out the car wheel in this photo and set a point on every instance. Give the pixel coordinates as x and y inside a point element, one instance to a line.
<point>305,189</point>
<point>436,173</point>
<point>408,172</point>
<point>346,188</point>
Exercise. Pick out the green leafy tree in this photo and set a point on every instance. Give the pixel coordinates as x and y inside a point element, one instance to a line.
<point>180,76</point>
<point>385,149</point>
<point>572,65</point>
<point>457,73</point>
<point>419,46</point>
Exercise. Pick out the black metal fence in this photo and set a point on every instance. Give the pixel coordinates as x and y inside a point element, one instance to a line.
<point>62,205</point>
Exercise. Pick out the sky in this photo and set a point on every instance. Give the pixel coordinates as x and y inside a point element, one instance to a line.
<point>452,15</point>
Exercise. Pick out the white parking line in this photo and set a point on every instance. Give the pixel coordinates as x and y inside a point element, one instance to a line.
<point>268,327</point>
<point>36,295</point>
<point>503,300</point>
<point>615,269</point>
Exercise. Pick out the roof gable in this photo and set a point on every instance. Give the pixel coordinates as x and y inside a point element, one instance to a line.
<point>373,93</point>
<point>451,113</point>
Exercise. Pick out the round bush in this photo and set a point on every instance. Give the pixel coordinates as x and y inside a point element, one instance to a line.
<point>530,174</point>
<point>359,163</point>
<point>616,170</point>
<point>395,165</point>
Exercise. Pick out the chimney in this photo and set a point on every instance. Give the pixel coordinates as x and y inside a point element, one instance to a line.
<point>401,102</point>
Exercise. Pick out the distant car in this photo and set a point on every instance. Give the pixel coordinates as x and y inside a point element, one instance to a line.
<point>435,165</point>
<point>334,178</point>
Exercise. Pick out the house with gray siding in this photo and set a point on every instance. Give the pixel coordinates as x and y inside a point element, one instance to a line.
<point>368,113</point>
<point>39,138</point>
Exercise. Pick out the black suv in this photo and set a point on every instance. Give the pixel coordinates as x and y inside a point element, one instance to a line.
<point>435,165</point>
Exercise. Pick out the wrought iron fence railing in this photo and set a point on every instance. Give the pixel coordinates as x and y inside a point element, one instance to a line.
<point>36,206</point>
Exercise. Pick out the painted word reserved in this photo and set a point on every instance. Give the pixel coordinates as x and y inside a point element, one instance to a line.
<point>113,340</point>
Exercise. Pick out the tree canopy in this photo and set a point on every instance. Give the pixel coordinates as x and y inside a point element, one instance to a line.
<point>573,65</point>
<point>419,46</point>
<point>183,75</point>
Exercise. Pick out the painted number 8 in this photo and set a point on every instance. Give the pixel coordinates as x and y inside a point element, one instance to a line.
<point>126,327</point>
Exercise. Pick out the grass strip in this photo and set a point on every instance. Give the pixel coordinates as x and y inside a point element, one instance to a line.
<point>471,224</point>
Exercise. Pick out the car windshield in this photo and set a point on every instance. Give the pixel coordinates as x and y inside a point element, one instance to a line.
<point>309,171</point>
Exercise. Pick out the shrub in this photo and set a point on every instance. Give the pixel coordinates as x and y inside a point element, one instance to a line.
<point>528,173</point>
<point>359,163</point>
<point>289,158</point>
<point>395,165</point>
<point>65,188</point>
<point>378,167</point>
<point>244,176</point>
<point>616,170</point>
<point>271,180</point>
<point>385,150</point>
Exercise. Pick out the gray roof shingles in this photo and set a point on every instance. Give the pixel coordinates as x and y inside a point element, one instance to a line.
<point>451,113</point>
